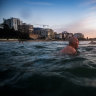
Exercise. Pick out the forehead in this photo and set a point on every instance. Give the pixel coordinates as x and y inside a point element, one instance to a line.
<point>73,40</point>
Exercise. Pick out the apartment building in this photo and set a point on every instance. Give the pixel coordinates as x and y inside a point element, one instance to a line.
<point>44,33</point>
<point>25,28</point>
<point>13,23</point>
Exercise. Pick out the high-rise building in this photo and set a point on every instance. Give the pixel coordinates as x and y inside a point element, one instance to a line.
<point>13,23</point>
<point>25,28</point>
<point>44,33</point>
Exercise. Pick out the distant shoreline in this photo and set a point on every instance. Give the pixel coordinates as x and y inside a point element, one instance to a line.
<point>37,40</point>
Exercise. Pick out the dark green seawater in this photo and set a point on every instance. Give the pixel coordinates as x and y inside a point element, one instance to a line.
<point>37,69</point>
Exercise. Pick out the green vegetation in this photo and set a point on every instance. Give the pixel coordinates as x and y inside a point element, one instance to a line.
<point>7,33</point>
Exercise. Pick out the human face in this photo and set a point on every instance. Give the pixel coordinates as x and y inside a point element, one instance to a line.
<point>76,43</point>
<point>73,42</point>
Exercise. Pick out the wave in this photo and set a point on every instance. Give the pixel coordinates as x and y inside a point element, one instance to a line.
<point>35,69</point>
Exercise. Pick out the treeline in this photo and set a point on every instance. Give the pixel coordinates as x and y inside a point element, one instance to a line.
<point>7,33</point>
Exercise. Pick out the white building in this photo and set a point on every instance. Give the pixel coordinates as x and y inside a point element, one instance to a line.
<point>47,33</point>
<point>25,28</point>
<point>44,33</point>
<point>58,36</point>
<point>66,35</point>
<point>13,23</point>
<point>79,35</point>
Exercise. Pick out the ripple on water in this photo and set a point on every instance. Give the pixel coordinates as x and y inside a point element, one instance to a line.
<point>33,69</point>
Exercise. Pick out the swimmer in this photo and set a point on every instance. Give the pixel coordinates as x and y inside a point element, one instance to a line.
<point>71,49</point>
<point>92,42</point>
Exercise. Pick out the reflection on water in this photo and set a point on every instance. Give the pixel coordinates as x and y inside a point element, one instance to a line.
<point>35,69</point>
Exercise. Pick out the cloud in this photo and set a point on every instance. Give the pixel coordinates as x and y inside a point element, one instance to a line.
<point>89,2</point>
<point>87,26</point>
<point>93,8</point>
<point>39,3</point>
<point>88,23</point>
<point>25,14</point>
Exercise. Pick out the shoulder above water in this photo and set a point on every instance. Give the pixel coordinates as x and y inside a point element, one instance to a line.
<point>68,50</point>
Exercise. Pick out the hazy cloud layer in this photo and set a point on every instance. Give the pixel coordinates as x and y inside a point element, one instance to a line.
<point>89,2</point>
<point>93,8</point>
<point>87,25</point>
<point>39,3</point>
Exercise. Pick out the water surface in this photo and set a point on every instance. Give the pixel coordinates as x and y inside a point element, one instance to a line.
<point>36,69</point>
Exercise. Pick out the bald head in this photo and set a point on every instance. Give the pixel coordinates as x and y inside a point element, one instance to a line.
<point>73,41</point>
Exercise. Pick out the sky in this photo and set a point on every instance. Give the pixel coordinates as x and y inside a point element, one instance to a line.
<point>74,16</point>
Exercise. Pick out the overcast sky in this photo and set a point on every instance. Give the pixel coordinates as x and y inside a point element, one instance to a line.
<point>61,15</point>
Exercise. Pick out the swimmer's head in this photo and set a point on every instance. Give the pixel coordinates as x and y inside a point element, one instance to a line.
<point>73,41</point>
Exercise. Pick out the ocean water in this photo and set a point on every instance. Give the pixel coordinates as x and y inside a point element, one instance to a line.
<point>37,69</point>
